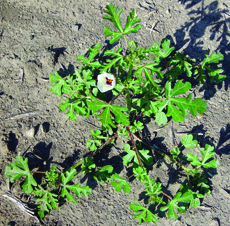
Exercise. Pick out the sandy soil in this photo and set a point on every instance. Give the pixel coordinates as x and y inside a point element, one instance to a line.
<point>37,38</point>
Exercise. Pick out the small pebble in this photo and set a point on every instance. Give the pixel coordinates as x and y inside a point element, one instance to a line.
<point>76,27</point>
<point>40,131</point>
<point>30,133</point>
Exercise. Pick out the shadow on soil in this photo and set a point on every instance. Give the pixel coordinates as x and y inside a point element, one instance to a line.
<point>217,21</point>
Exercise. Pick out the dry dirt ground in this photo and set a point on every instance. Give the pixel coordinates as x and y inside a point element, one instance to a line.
<point>37,38</point>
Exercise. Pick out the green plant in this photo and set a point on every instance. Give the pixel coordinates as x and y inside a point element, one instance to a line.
<point>149,90</point>
<point>56,184</point>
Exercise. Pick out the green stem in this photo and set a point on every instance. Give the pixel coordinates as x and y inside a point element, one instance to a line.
<point>128,99</point>
<point>125,41</point>
<point>130,73</point>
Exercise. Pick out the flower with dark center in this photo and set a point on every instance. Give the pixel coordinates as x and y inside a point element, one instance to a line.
<point>105,82</point>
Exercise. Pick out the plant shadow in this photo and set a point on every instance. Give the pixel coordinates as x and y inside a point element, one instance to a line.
<point>203,18</point>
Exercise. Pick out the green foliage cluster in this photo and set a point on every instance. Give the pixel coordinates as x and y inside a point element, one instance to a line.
<point>152,81</point>
<point>48,194</point>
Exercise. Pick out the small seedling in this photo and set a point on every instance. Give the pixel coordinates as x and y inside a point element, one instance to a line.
<point>152,82</point>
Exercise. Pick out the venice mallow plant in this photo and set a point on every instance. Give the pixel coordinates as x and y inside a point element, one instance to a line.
<point>152,83</point>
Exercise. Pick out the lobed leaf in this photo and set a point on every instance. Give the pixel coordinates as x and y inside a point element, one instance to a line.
<point>93,144</point>
<point>131,156</point>
<point>180,64</point>
<point>47,201</point>
<point>213,58</point>
<point>102,175</point>
<point>153,190</point>
<point>118,60</point>
<point>142,214</point>
<point>187,197</point>
<point>60,82</point>
<point>96,104</point>
<point>137,126</point>
<point>179,88</point>
<point>93,53</point>
<point>74,106</point>
<point>188,142</point>
<point>193,159</point>
<point>175,152</point>
<point>52,174</point>
<point>105,118</point>
<point>207,154</point>
<point>165,52</point>
<point>87,165</point>
<point>120,117</point>
<point>68,176</point>
<point>19,168</point>
<point>177,107</point>
<point>131,20</point>
<point>213,73</point>
<point>115,19</point>
<point>149,67</point>
<point>140,173</point>
<point>114,15</point>
<point>121,184</point>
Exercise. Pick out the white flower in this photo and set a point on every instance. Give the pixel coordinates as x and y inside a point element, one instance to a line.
<point>105,82</point>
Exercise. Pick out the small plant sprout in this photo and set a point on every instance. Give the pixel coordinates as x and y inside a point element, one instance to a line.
<point>145,89</point>
<point>105,82</point>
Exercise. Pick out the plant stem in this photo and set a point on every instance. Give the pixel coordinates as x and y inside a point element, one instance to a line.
<point>160,99</point>
<point>130,73</point>
<point>166,195</point>
<point>128,99</point>
<point>130,176</point>
<point>38,172</point>
<point>94,153</point>
<point>117,96</point>
<point>162,154</point>
<point>125,41</point>
<point>95,97</point>
<point>138,116</point>
<point>103,145</point>
<point>134,146</point>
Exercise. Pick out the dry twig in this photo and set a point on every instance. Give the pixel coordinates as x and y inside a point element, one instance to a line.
<point>22,205</point>
<point>22,115</point>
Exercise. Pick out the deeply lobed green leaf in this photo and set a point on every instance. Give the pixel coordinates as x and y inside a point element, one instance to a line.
<point>19,168</point>
<point>142,214</point>
<point>120,184</point>
<point>103,174</point>
<point>177,107</point>
<point>47,201</point>
<point>114,17</point>
<point>187,197</point>
<point>207,154</point>
<point>68,176</point>
<point>188,142</point>
<point>92,54</point>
